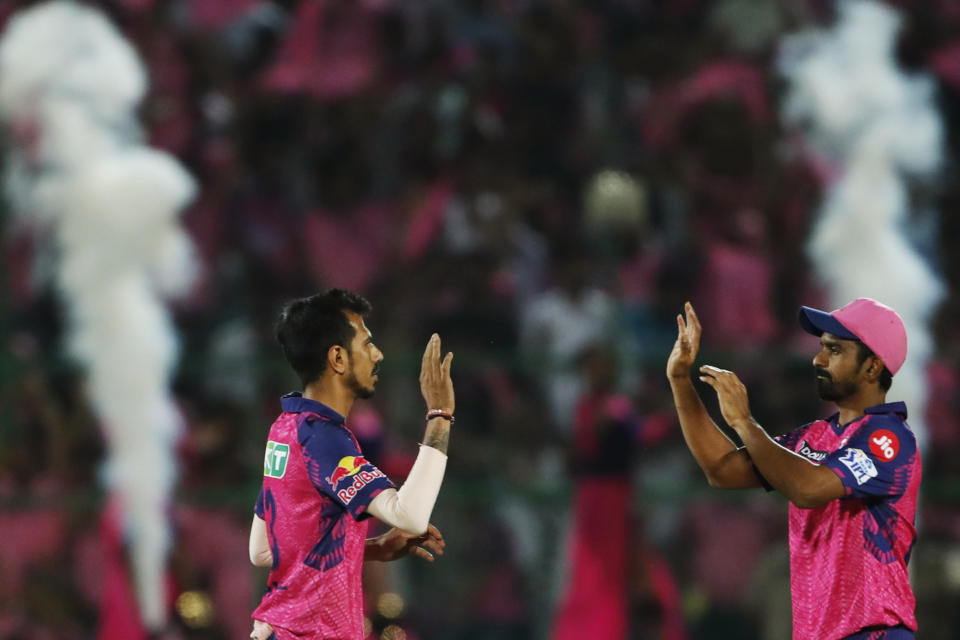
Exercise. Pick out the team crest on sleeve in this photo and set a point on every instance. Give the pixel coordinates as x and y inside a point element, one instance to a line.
<point>884,444</point>
<point>860,465</point>
<point>275,459</point>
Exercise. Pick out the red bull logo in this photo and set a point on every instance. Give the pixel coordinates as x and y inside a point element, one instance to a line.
<point>348,466</point>
<point>352,467</point>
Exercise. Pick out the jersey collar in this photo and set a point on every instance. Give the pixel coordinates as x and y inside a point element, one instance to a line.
<point>296,403</point>
<point>889,407</point>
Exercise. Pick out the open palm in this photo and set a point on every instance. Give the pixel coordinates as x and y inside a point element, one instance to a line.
<point>687,345</point>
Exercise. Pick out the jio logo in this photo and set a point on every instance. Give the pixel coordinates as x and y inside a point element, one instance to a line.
<point>884,444</point>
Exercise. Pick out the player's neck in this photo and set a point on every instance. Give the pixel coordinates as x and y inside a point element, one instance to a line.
<point>335,396</point>
<point>856,405</point>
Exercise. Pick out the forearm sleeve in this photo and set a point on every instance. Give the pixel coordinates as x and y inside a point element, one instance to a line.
<point>410,507</point>
<point>260,554</point>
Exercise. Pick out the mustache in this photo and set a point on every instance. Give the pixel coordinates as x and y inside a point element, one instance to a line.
<point>820,371</point>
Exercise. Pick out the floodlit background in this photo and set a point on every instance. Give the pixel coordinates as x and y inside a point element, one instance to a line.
<point>543,184</point>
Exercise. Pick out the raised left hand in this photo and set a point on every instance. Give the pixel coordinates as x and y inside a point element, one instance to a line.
<point>731,393</point>
<point>397,543</point>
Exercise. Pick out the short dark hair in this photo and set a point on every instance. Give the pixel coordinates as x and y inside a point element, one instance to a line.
<point>308,327</point>
<point>864,352</point>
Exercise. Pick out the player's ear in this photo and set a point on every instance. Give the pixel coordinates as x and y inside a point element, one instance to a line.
<point>875,368</point>
<point>337,359</point>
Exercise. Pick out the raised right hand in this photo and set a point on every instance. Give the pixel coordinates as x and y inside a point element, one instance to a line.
<point>435,383</point>
<point>687,345</point>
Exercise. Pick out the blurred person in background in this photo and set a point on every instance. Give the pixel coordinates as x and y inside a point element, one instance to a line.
<point>318,488</point>
<point>558,324</point>
<point>615,586</point>
<point>852,479</point>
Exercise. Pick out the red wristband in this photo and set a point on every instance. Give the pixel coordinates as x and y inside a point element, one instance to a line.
<point>439,413</point>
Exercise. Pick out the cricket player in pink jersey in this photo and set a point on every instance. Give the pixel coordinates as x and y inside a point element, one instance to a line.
<point>851,479</point>
<point>309,524</point>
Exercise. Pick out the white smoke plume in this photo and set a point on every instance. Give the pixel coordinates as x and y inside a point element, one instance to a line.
<point>877,127</point>
<point>69,88</point>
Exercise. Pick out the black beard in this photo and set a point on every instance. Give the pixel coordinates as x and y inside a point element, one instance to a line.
<point>359,391</point>
<point>827,389</point>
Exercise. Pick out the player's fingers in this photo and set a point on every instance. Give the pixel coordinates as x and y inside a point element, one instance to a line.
<point>709,380</point>
<point>692,319</point>
<point>435,547</point>
<point>445,365</point>
<point>433,532</point>
<point>716,372</point>
<point>681,327</point>
<point>420,552</point>
<point>424,366</point>
<point>431,364</point>
<point>435,354</point>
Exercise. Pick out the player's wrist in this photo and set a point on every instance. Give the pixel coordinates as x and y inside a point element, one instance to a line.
<point>440,415</point>
<point>373,550</point>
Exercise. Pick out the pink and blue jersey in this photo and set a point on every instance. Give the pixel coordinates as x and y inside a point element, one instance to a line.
<point>848,558</point>
<point>316,489</point>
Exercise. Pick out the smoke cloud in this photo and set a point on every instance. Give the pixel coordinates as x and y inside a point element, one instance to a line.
<point>873,127</point>
<point>69,88</point>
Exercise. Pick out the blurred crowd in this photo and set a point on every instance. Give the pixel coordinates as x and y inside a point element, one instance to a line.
<point>543,183</point>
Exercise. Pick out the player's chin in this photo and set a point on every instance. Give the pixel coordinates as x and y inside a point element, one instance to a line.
<point>366,391</point>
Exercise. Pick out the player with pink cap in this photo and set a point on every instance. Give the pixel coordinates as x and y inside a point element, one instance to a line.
<point>872,323</point>
<point>852,478</point>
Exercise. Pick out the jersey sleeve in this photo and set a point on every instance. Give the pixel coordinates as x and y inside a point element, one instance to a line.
<point>878,460</point>
<point>792,438</point>
<point>787,440</point>
<point>258,509</point>
<point>337,468</point>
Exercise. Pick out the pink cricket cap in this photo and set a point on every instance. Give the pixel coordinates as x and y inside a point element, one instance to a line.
<point>872,323</point>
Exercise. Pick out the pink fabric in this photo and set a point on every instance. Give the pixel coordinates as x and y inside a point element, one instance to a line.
<point>667,592</point>
<point>330,51</point>
<point>735,79</point>
<point>723,564</point>
<point>213,15</point>
<point>837,582</point>
<point>290,71</point>
<point>735,294</point>
<point>595,604</point>
<point>427,220</point>
<point>119,617</point>
<point>946,64</point>
<point>28,537</point>
<point>217,543</point>
<point>638,278</point>
<point>304,602</point>
<point>350,250</point>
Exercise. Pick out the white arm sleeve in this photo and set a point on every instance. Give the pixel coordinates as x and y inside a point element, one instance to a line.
<point>410,507</point>
<point>260,554</point>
